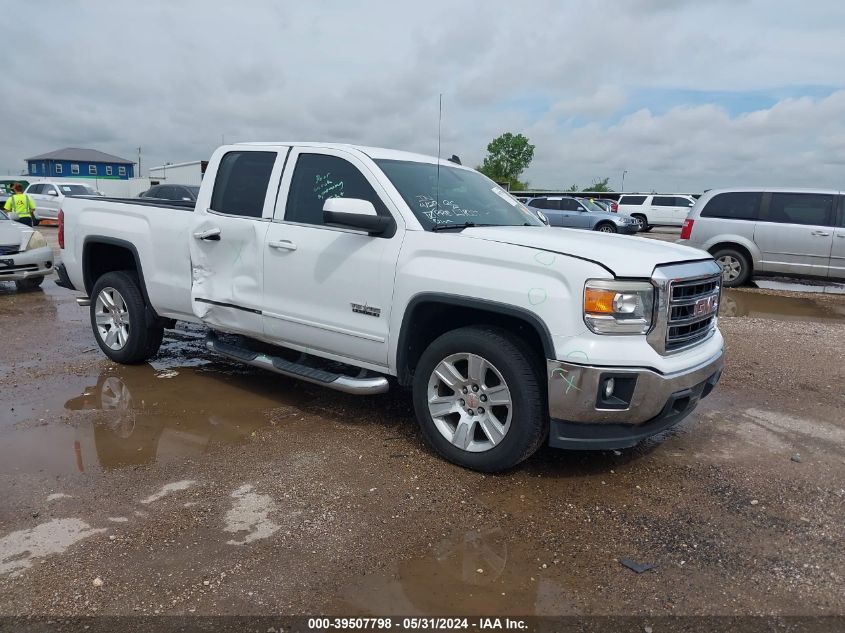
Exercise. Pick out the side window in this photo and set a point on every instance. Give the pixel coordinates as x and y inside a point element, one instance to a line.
<point>241,183</point>
<point>33,169</point>
<point>92,170</point>
<point>317,178</point>
<point>842,211</point>
<point>74,169</point>
<point>567,204</point>
<point>801,208</point>
<point>35,189</point>
<point>48,189</point>
<point>632,199</point>
<point>663,201</point>
<point>538,203</point>
<point>683,202</point>
<point>121,171</point>
<point>734,206</point>
<point>58,168</point>
<point>108,170</point>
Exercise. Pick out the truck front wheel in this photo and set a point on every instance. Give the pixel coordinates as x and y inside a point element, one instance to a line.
<point>478,400</point>
<point>119,319</point>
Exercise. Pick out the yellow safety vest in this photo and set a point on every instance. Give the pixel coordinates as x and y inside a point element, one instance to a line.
<point>21,204</point>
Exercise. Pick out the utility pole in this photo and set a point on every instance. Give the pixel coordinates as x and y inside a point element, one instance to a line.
<point>138,175</point>
<point>625,171</point>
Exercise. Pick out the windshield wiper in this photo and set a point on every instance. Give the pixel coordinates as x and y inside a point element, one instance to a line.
<point>462,225</point>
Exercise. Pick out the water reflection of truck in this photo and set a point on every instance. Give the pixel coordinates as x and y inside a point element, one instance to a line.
<point>143,418</point>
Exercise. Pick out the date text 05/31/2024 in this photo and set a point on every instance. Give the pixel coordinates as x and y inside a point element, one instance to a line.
<point>412,624</point>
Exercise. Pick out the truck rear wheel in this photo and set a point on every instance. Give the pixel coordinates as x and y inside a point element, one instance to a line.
<point>478,399</point>
<point>119,319</point>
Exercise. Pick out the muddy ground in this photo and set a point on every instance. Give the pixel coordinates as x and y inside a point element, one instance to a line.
<point>196,486</point>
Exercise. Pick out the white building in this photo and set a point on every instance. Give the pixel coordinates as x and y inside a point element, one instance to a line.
<point>179,173</point>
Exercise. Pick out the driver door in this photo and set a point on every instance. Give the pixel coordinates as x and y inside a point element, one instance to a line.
<point>227,240</point>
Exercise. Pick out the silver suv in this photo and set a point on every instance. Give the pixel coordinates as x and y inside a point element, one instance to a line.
<point>774,232</point>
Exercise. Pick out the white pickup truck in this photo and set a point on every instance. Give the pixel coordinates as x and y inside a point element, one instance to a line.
<point>344,265</point>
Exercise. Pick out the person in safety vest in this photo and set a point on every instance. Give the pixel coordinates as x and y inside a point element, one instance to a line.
<point>21,204</point>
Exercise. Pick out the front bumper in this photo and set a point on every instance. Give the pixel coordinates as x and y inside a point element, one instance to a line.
<point>37,262</point>
<point>646,402</point>
<point>628,229</point>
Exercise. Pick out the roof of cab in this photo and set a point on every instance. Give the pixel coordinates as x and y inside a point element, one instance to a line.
<point>376,153</point>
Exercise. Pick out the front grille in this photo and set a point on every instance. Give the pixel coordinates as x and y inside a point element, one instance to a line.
<point>693,306</point>
<point>9,250</point>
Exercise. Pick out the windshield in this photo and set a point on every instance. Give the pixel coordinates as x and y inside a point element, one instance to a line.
<point>76,190</point>
<point>3,216</point>
<point>465,196</point>
<point>592,206</point>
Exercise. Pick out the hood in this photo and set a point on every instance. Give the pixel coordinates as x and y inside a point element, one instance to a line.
<point>623,255</point>
<point>11,233</point>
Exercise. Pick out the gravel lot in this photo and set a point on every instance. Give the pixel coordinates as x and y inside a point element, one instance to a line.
<point>196,486</point>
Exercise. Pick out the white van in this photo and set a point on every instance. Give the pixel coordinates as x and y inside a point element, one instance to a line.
<point>49,195</point>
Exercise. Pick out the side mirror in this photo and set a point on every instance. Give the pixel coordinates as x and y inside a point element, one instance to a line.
<point>52,192</point>
<point>353,213</point>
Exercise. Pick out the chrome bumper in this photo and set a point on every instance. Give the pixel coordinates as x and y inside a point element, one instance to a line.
<point>574,391</point>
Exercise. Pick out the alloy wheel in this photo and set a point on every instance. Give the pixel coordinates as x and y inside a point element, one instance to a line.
<point>112,318</point>
<point>470,402</point>
<point>731,267</point>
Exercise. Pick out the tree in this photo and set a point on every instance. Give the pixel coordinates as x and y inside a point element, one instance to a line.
<point>599,185</point>
<point>573,188</point>
<point>507,157</point>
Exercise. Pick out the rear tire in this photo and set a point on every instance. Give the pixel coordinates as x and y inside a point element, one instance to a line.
<point>492,428</point>
<point>32,283</point>
<point>119,319</point>
<point>736,269</point>
<point>645,227</point>
<point>605,227</point>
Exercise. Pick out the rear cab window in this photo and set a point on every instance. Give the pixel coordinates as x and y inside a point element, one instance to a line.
<point>241,184</point>
<point>744,205</point>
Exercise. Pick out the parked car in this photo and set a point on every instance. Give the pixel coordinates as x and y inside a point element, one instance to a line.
<point>49,196</point>
<point>656,210</point>
<point>342,265</point>
<point>770,232</point>
<point>171,192</point>
<point>25,257</point>
<point>611,206</point>
<point>6,188</point>
<point>578,213</point>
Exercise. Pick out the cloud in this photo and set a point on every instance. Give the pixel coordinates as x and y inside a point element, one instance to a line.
<point>598,86</point>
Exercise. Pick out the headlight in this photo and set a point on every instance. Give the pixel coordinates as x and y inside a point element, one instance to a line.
<point>618,307</point>
<point>543,218</point>
<point>36,240</point>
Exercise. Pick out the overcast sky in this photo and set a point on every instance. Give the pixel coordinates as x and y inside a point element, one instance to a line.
<point>684,95</point>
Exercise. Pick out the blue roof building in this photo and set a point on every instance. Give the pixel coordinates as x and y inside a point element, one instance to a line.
<point>74,162</point>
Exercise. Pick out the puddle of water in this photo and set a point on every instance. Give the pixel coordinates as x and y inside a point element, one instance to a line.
<point>740,303</point>
<point>479,572</point>
<point>128,415</point>
<point>19,549</point>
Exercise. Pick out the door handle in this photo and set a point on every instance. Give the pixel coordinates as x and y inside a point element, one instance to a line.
<point>820,233</point>
<point>283,244</point>
<point>212,235</point>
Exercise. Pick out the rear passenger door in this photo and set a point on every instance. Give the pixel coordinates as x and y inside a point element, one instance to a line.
<point>795,234</point>
<point>663,210</point>
<point>227,240</point>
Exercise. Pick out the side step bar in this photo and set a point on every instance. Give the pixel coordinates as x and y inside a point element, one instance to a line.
<point>83,302</point>
<point>359,386</point>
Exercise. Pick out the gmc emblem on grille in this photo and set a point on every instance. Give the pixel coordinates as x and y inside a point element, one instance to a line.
<point>708,305</point>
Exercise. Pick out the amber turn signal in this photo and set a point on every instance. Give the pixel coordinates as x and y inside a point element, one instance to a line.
<point>598,300</point>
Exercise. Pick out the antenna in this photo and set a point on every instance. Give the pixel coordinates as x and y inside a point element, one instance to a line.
<point>439,121</point>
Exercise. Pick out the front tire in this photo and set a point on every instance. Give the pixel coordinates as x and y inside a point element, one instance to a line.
<point>605,227</point>
<point>478,399</point>
<point>24,285</point>
<point>119,319</point>
<point>736,269</point>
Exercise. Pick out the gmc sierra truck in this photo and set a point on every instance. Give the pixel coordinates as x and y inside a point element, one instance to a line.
<point>343,266</point>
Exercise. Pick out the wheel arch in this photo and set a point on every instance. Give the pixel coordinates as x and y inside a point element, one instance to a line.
<point>101,255</point>
<point>743,245</point>
<point>429,315</point>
